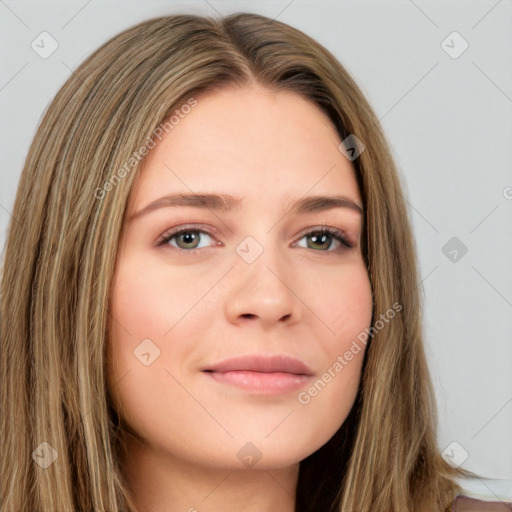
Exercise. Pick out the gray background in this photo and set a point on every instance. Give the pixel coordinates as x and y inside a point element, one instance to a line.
<point>448,119</point>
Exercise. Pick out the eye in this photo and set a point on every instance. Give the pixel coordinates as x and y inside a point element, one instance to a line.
<point>186,238</point>
<point>189,238</point>
<point>322,238</point>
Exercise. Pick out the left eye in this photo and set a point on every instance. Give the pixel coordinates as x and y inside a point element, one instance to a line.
<point>324,236</point>
<point>188,239</point>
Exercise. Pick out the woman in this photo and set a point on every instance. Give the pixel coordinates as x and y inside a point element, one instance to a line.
<point>168,343</point>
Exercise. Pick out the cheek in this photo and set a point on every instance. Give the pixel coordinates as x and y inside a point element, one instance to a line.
<point>151,301</point>
<point>142,302</point>
<point>151,342</point>
<point>345,310</point>
<point>344,306</point>
<point>143,311</point>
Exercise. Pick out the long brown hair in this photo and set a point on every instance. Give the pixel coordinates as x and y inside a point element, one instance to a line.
<point>61,250</point>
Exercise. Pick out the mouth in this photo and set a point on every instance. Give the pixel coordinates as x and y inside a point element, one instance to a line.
<point>261,374</point>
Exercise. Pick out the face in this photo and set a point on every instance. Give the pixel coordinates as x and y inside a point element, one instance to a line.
<point>233,318</point>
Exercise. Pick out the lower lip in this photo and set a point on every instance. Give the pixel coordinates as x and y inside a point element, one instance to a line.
<point>271,383</point>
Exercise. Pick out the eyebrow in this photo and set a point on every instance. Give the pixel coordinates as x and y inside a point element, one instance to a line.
<point>228,203</point>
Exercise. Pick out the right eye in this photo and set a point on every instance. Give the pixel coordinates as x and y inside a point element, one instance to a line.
<point>186,239</point>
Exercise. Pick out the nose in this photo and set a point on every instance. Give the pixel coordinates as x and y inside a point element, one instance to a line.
<point>263,291</point>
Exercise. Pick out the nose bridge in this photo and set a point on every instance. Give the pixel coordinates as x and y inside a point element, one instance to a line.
<point>260,281</point>
<point>263,252</point>
<point>262,260</point>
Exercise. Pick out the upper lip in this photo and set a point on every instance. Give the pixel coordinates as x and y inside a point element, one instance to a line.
<point>262,363</point>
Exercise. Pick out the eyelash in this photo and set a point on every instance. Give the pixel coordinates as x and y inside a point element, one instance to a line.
<point>324,230</point>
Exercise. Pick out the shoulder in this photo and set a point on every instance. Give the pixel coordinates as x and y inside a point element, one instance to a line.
<point>464,503</point>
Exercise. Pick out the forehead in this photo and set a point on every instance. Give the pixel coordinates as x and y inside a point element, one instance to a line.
<point>249,142</point>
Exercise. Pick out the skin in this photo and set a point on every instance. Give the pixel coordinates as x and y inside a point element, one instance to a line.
<point>304,299</point>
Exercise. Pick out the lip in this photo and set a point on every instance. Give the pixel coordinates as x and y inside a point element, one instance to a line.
<point>263,363</point>
<point>268,374</point>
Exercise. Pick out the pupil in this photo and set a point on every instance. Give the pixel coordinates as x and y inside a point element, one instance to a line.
<point>319,239</point>
<point>188,238</point>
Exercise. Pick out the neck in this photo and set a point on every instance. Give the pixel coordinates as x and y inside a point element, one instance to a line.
<point>160,483</point>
